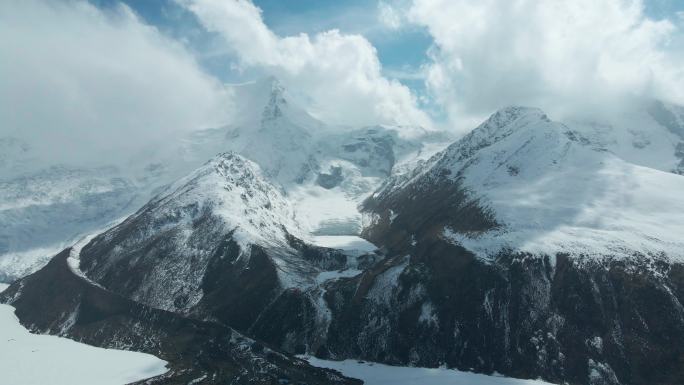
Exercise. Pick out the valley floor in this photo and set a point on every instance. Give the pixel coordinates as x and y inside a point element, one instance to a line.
<point>379,374</point>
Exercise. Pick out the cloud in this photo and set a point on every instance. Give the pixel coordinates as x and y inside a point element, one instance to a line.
<point>388,16</point>
<point>562,56</point>
<point>339,73</point>
<point>81,84</point>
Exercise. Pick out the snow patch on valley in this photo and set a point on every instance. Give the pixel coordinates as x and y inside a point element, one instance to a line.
<point>379,374</point>
<point>348,243</point>
<point>33,359</point>
<point>326,211</point>
<point>332,275</point>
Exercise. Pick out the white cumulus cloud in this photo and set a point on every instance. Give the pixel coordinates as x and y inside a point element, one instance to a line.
<point>339,73</point>
<point>389,16</point>
<point>81,84</point>
<point>558,55</point>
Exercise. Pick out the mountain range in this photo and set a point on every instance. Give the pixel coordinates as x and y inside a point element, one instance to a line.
<point>529,247</point>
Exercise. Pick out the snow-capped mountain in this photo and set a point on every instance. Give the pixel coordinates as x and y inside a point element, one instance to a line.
<point>544,189</point>
<point>221,243</point>
<point>529,247</point>
<point>58,300</point>
<point>323,171</point>
<point>649,133</point>
<point>326,171</point>
<point>268,129</point>
<point>511,251</point>
<point>526,250</point>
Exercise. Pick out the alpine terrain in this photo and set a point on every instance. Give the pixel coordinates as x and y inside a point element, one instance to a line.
<point>529,247</point>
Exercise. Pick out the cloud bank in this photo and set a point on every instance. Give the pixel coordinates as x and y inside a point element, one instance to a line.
<point>86,84</point>
<point>562,56</point>
<point>339,73</point>
<point>81,84</point>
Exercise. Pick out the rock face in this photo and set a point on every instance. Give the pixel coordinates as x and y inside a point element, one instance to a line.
<point>594,322</point>
<point>528,248</point>
<point>45,208</point>
<point>221,244</point>
<point>481,274</point>
<point>55,300</point>
<point>514,251</point>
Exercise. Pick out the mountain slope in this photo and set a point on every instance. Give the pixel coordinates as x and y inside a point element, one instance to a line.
<point>55,300</point>
<point>547,191</point>
<point>645,133</point>
<point>162,255</point>
<point>325,171</point>
<point>59,361</point>
<point>543,190</point>
<point>42,212</point>
<point>524,250</point>
<point>222,243</point>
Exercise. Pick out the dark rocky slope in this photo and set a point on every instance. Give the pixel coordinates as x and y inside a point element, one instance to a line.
<point>580,322</point>
<point>54,300</point>
<point>221,246</point>
<point>614,318</point>
<point>577,318</point>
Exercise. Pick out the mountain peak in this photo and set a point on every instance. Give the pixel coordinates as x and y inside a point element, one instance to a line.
<point>500,125</point>
<point>269,82</point>
<point>276,102</point>
<point>233,190</point>
<point>233,162</point>
<point>550,193</point>
<point>510,118</point>
<point>507,115</point>
<point>227,166</point>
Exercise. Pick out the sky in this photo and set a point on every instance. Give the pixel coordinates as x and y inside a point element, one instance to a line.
<point>104,71</point>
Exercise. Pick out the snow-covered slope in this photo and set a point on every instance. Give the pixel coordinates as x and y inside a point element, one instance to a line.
<point>163,251</point>
<point>525,249</point>
<point>56,301</point>
<point>29,359</point>
<point>648,133</point>
<point>550,191</point>
<point>42,212</point>
<point>234,190</point>
<point>379,374</point>
<point>324,171</point>
<point>269,130</point>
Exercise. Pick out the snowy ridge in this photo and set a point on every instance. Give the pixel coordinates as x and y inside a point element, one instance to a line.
<point>649,134</point>
<point>234,190</point>
<point>226,198</point>
<point>74,258</point>
<point>552,192</point>
<point>324,171</point>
